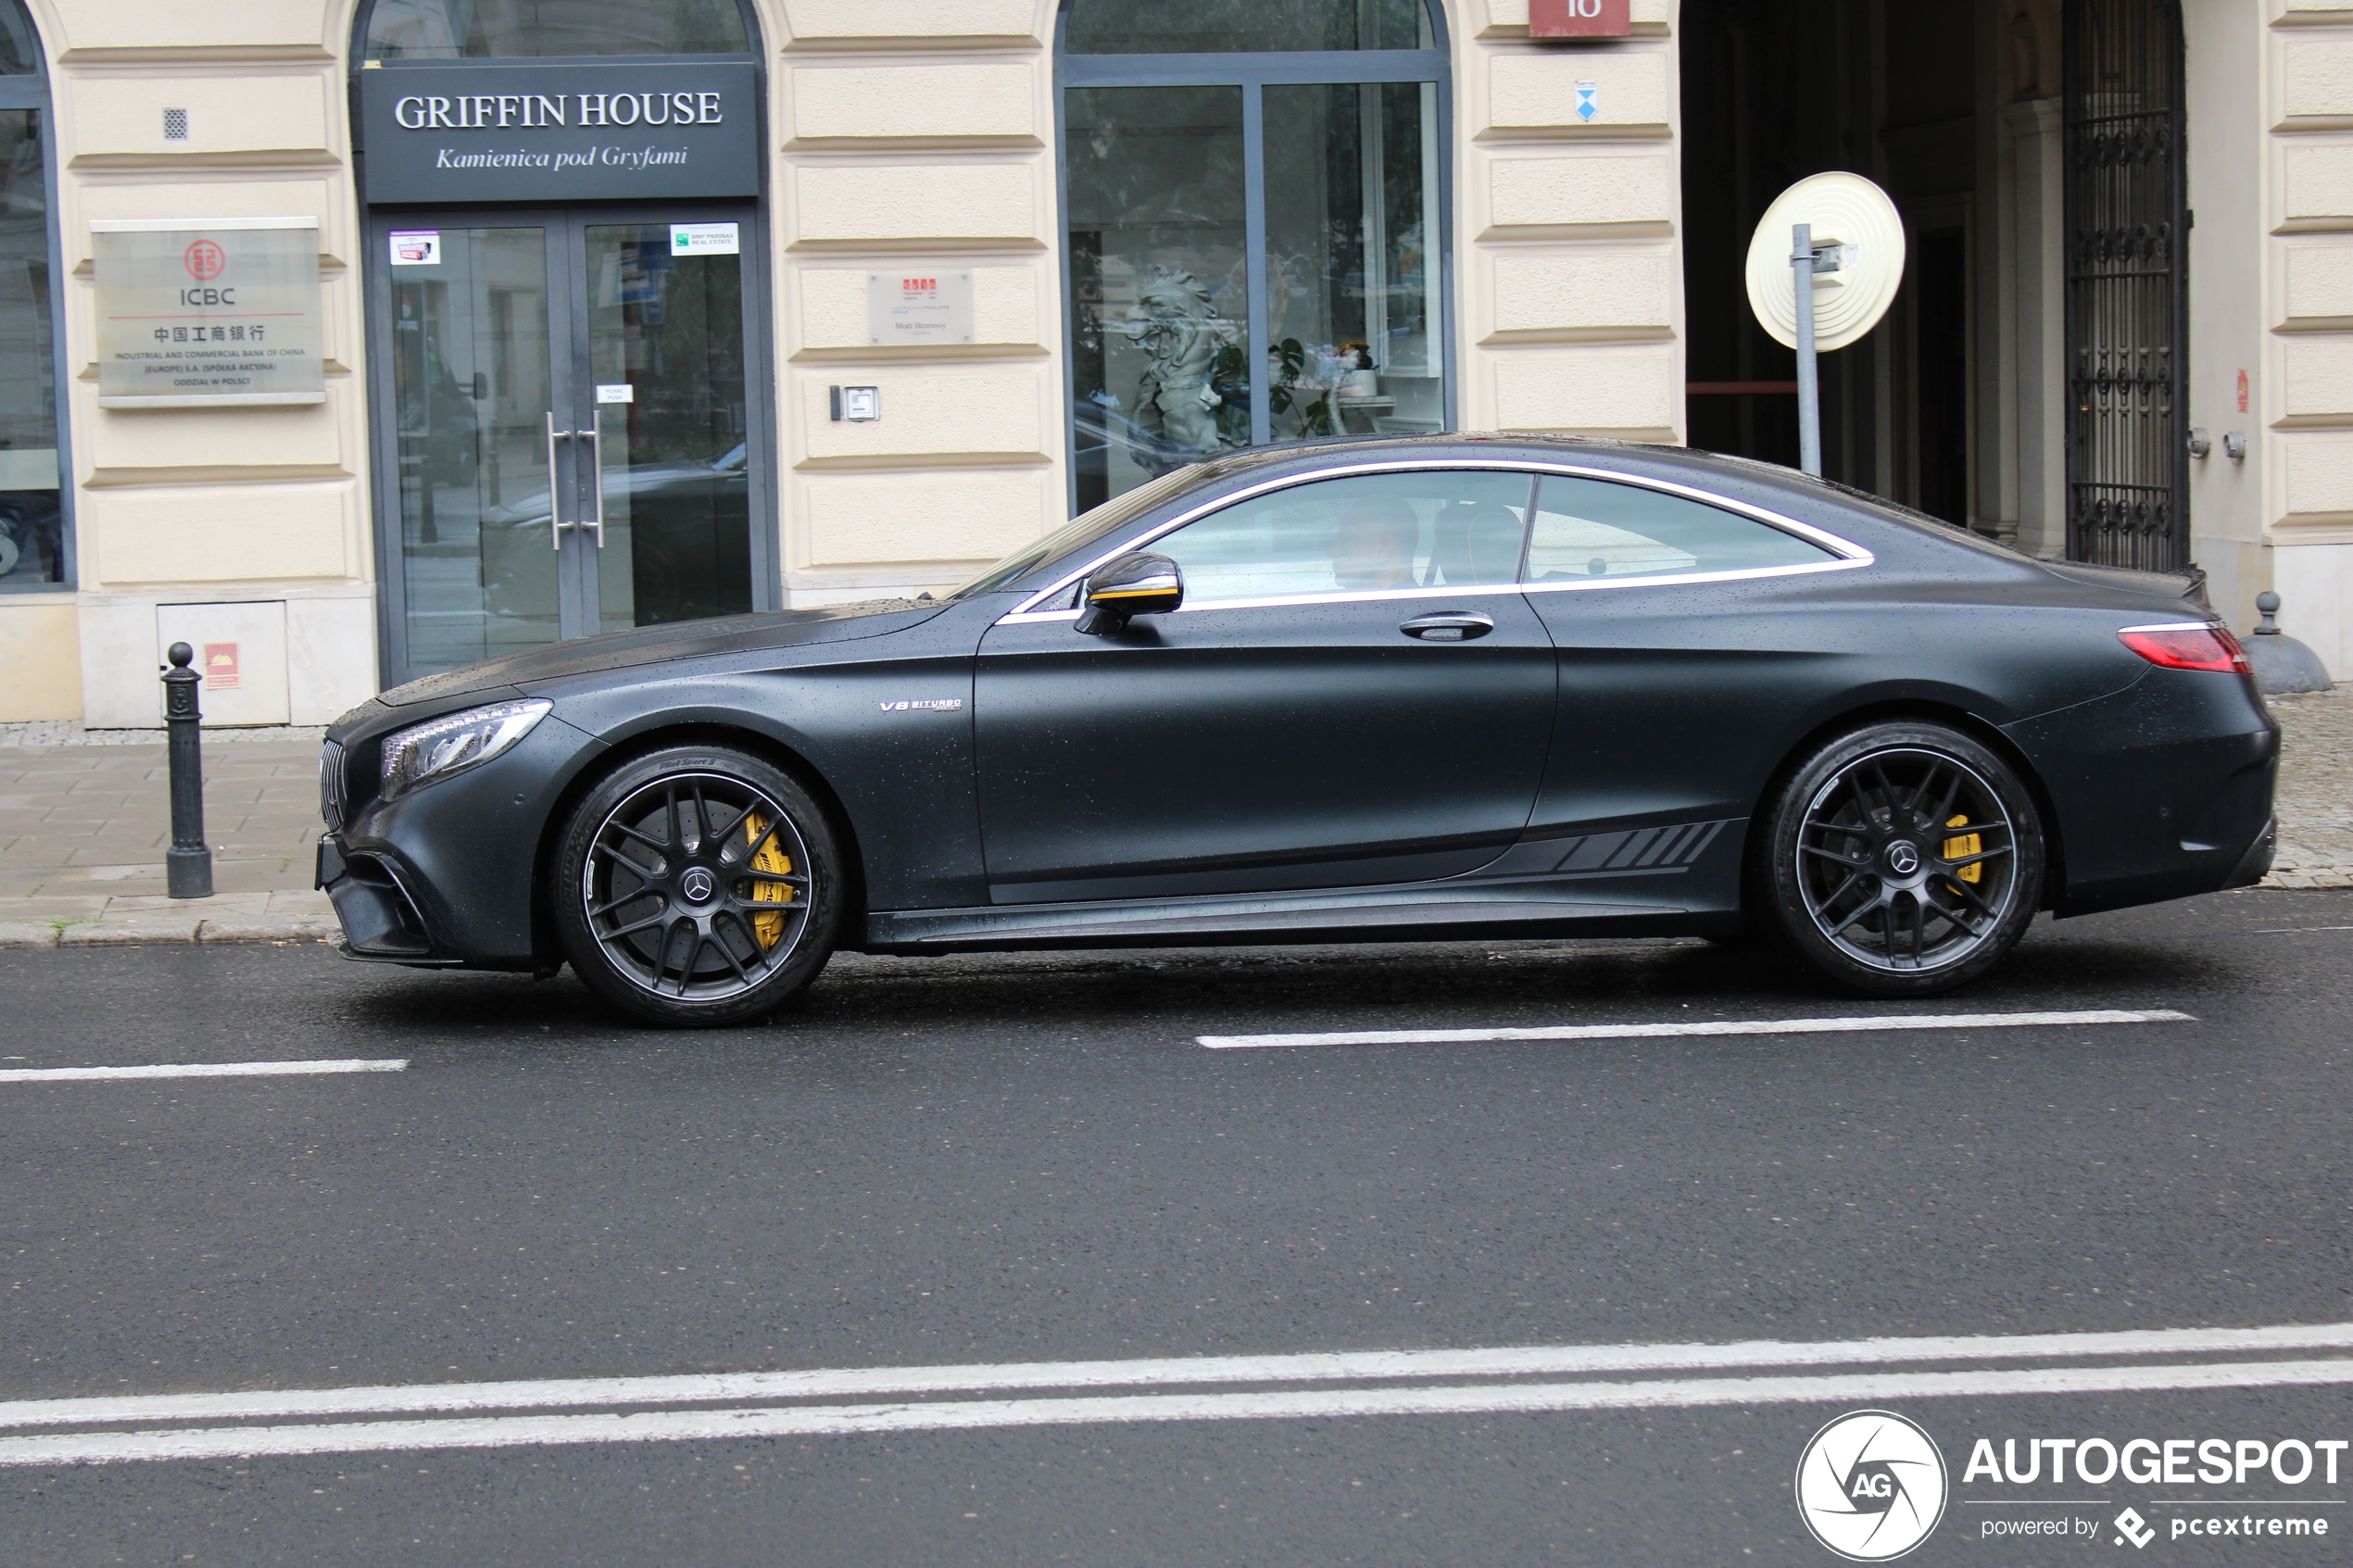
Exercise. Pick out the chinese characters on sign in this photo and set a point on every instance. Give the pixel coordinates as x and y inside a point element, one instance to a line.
<point>206,313</point>
<point>919,305</point>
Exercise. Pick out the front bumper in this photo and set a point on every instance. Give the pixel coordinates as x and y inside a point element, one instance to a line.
<point>445,876</point>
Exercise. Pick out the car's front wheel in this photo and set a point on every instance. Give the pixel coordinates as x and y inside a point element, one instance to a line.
<point>696,886</point>
<point>1904,859</point>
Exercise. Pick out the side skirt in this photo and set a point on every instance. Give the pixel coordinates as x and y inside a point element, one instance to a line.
<point>1416,911</point>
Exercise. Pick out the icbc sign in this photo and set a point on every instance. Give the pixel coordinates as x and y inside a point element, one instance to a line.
<point>1579,19</point>
<point>204,260</point>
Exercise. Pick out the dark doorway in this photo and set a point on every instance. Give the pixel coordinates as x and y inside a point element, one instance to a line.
<point>2127,285</point>
<point>1939,271</point>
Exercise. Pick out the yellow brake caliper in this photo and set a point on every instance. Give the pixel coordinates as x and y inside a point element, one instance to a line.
<point>1967,843</point>
<point>773,861</point>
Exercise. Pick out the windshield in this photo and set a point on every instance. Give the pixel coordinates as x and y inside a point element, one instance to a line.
<point>1104,521</point>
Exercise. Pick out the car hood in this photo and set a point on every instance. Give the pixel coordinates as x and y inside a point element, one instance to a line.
<point>652,644</point>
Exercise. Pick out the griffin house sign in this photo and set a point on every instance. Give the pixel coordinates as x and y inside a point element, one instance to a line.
<point>463,132</point>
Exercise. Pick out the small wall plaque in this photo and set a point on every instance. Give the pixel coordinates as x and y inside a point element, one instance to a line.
<point>916,305</point>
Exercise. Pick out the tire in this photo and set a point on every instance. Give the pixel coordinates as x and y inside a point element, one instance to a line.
<point>696,887</point>
<point>1866,869</point>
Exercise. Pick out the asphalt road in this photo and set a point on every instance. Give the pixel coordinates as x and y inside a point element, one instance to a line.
<point>1025,1159</point>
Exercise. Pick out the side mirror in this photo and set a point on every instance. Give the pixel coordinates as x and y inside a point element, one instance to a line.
<point>1141,584</point>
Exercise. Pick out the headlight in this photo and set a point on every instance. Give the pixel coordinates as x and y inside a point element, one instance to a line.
<point>427,753</point>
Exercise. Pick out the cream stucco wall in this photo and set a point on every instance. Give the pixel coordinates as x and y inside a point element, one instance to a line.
<point>2305,412</point>
<point>1568,264</point>
<point>193,506</point>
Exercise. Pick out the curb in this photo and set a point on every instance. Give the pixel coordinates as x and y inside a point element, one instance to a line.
<point>180,931</point>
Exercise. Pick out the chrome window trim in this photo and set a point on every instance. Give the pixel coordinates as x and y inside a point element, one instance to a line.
<point>1850,553</point>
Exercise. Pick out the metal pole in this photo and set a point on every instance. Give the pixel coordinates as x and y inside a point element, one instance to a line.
<point>188,864</point>
<point>1810,383</point>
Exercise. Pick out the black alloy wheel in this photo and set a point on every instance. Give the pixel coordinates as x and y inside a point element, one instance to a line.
<point>697,886</point>
<point>1904,859</point>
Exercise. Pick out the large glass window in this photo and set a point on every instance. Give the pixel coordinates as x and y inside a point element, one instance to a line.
<point>1367,534</point>
<point>34,550</point>
<point>1254,222</point>
<point>1225,26</point>
<point>465,30</point>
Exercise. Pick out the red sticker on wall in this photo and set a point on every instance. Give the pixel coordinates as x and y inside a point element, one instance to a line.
<point>2242,392</point>
<point>221,667</point>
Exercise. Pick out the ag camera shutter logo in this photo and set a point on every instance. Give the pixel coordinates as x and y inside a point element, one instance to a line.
<point>1871,1485</point>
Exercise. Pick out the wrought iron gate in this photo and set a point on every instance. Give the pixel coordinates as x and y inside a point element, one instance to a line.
<point>2127,285</point>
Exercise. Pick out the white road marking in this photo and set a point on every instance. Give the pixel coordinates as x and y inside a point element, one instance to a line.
<point>1370,1366</point>
<point>202,1070</point>
<point>671,1426</point>
<point>1703,1027</point>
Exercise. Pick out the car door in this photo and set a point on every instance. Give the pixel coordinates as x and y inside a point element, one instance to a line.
<point>1354,692</point>
<point>1691,637</point>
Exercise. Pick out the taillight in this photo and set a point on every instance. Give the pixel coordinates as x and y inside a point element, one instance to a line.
<point>2188,644</point>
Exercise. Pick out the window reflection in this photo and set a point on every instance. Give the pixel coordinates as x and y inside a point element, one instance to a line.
<point>1159,284</point>
<point>668,331</point>
<point>450,30</point>
<point>1352,200</point>
<point>1443,528</point>
<point>1587,527</point>
<point>1219,27</point>
<point>32,530</point>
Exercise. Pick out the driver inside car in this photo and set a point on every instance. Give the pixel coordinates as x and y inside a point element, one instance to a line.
<point>1372,547</point>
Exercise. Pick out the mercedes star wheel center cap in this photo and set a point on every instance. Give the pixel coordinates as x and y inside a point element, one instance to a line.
<point>697,884</point>
<point>1902,858</point>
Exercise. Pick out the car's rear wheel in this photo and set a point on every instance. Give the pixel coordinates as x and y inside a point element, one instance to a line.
<point>1904,859</point>
<point>697,886</point>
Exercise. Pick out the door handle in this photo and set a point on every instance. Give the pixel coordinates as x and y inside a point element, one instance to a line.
<point>595,434</point>
<point>555,508</point>
<point>1449,626</point>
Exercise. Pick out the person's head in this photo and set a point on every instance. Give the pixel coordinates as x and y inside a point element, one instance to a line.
<point>1374,546</point>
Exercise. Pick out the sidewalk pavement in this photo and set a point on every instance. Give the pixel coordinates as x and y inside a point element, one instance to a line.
<point>84,821</point>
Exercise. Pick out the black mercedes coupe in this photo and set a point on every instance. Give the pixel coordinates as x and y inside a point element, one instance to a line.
<point>1397,689</point>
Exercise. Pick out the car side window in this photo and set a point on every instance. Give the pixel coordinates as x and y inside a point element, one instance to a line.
<point>1593,528</point>
<point>1362,535</point>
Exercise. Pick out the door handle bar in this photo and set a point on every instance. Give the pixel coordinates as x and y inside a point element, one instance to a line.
<point>555,508</point>
<point>595,435</point>
<point>1449,626</point>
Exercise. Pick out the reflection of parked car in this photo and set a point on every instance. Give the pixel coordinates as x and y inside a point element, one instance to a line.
<point>1102,429</point>
<point>689,543</point>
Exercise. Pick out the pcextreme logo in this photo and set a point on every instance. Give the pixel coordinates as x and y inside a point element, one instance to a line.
<point>1871,1485</point>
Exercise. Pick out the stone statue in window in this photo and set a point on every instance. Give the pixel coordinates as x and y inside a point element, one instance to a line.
<point>1180,333</point>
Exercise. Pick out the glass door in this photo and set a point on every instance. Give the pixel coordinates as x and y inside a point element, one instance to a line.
<point>569,436</point>
<point>479,570</point>
<point>662,403</point>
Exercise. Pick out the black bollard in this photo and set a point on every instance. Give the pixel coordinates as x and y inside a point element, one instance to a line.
<point>188,864</point>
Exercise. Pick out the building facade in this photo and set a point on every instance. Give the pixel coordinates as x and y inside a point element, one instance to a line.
<point>637,311</point>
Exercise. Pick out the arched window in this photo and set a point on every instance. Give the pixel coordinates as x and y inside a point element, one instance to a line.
<point>1254,200</point>
<point>36,546</point>
<point>468,29</point>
